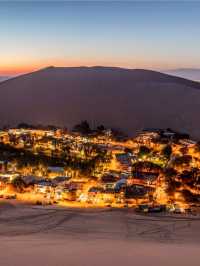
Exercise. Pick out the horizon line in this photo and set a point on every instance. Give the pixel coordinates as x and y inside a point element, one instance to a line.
<point>16,73</point>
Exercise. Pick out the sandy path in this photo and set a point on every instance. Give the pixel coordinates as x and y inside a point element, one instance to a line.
<point>55,236</point>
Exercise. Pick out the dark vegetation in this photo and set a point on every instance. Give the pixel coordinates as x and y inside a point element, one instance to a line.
<point>26,158</point>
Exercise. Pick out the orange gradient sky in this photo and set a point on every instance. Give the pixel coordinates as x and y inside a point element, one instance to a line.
<point>17,68</point>
<point>152,35</point>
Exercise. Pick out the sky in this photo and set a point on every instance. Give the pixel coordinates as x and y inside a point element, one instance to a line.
<point>137,34</point>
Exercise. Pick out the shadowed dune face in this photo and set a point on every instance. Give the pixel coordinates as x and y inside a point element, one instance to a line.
<point>126,99</point>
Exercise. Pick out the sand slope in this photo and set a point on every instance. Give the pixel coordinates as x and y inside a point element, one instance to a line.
<point>122,98</point>
<point>56,236</point>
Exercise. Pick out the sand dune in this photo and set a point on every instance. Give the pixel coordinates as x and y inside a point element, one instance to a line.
<point>45,236</point>
<point>3,78</point>
<point>121,98</point>
<point>188,73</point>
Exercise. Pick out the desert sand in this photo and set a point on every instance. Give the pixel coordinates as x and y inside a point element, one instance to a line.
<point>128,99</point>
<point>49,236</point>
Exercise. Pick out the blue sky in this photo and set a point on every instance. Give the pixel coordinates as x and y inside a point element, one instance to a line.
<point>155,35</point>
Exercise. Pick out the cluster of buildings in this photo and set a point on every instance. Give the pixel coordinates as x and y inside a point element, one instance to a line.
<point>155,171</point>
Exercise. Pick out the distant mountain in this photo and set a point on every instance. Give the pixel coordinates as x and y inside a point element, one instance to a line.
<point>2,78</point>
<point>188,73</point>
<point>129,99</point>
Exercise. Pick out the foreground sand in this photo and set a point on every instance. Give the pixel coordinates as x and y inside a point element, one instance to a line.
<point>48,236</point>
